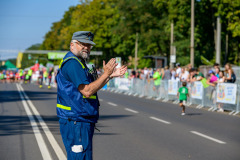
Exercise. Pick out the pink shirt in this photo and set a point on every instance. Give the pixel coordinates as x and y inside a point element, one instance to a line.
<point>213,78</point>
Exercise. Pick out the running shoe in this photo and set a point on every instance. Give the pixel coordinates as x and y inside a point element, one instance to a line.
<point>183,114</point>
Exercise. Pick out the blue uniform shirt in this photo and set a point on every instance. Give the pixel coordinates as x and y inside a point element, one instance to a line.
<point>71,104</point>
<point>76,70</point>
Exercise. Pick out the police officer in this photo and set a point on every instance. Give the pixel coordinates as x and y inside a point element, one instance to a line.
<point>77,100</point>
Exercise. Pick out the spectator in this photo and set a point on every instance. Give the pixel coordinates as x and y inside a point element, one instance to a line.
<point>138,73</point>
<point>142,75</point>
<point>99,72</point>
<point>184,76</point>
<point>198,75</point>
<point>191,75</point>
<point>221,77</point>
<point>162,72</point>
<point>216,65</point>
<point>189,67</point>
<point>146,71</point>
<point>230,76</point>
<point>217,70</point>
<point>167,74</point>
<point>173,73</point>
<point>221,80</point>
<point>150,73</point>
<point>212,80</point>
<point>178,71</point>
<point>157,76</point>
<point>126,75</point>
<point>133,73</point>
<point>194,75</point>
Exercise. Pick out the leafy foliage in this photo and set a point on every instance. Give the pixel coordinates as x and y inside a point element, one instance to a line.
<point>116,22</point>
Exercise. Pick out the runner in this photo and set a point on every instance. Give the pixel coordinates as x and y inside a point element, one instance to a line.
<point>1,76</point>
<point>40,78</point>
<point>11,76</point>
<point>50,77</point>
<point>21,76</point>
<point>17,77</point>
<point>30,75</point>
<point>26,76</point>
<point>182,95</point>
<point>7,77</point>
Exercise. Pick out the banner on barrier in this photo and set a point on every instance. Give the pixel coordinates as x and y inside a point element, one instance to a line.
<point>197,90</point>
<point>122,83</point>
<point>172,87</point>
<point>226,93</point>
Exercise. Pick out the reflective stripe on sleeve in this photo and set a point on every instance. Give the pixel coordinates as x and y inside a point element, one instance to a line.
<point>63,107</point>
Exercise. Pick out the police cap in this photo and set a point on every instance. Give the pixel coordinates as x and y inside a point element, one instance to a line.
<point>84,37</point>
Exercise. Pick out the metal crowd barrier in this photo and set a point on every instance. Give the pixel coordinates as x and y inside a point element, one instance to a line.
<point>225,94</point>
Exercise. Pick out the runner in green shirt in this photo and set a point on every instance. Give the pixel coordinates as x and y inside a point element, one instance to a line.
<point>30,72</point>
<point>182,95</point>
<point>1,76</point>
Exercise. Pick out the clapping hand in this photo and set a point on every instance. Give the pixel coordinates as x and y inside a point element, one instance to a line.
<point>118,72</point>
<point>110,66</point>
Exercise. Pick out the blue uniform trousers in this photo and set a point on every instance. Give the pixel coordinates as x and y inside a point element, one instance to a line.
<point>77,138</point>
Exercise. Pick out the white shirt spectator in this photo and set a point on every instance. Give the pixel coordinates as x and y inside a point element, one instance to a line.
<point>184,76</point>
<point>173,75</point>
<point>146,71</point>
<point>178,71</point>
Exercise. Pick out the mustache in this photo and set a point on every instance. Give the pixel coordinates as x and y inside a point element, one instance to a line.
<point>85,51</point>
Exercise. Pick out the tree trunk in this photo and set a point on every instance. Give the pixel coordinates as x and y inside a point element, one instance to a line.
<point>226,50</point>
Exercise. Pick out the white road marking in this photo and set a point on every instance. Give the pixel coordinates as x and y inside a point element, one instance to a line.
<point>160,120</point>
<point>130,110</point>
<point>112,104</point>
<point>100,100</point>
<point>40,141</point>
<point>208,137</point>
<point>51,139</point>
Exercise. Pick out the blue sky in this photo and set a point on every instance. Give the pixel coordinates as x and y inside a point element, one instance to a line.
<point>25,22</point>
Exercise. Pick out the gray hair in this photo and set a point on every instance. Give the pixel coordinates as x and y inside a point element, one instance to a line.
<point>72,41</point>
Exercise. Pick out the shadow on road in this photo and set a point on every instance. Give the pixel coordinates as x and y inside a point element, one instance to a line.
<point>194,114</point>
<point>105,117</point>
<point>10,96</point>
<point>17,125</point>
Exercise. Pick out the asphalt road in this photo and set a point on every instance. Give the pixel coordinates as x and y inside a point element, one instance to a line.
<point>132,128</point>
